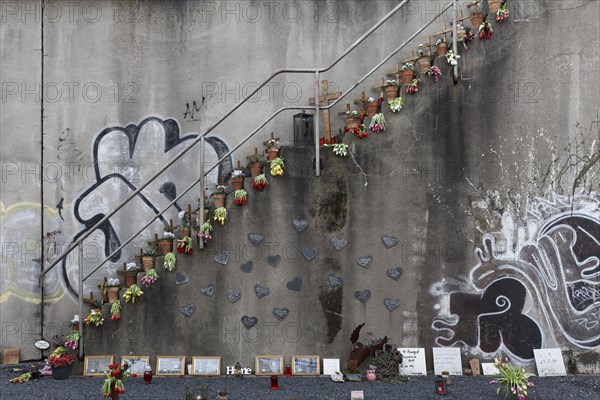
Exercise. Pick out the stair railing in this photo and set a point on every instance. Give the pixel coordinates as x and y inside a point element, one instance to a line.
<point>201,139</point>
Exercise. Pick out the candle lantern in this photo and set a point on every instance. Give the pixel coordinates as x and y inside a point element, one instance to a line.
<point>274,382</point>
<point>148,374</point>
<point>440,385</point>
<point>303,130</point>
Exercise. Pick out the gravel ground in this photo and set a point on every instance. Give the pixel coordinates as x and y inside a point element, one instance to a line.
<point>585,387</point>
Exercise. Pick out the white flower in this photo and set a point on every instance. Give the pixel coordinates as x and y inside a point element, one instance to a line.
<point>181,214</point>
<point>130,265</point>
<point>370,99</point>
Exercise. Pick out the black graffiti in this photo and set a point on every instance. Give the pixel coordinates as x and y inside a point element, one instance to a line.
<point>190,112</point>
<point>59,206</point>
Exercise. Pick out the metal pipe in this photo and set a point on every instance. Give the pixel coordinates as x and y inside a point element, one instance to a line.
<point>80,253</point>
<point>317,130</point>
<point>201,220</point>
<point>454,40</point>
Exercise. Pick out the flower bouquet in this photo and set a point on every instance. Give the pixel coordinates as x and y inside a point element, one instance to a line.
<point>114,379</point>
<point>396,104</point>
<point>133,293</point>
<point>150,277</point>
<point>377,123</point>
<point>95,317</point>
<point>452,57</point>
<point>205,230</point>
<point>240,197</point>
<point>434,72</point>
<point>131,266</point>
<point>169,263</point>
<point>355,114</point>
<point>72,340</point>
<point>513,379</point>
<point>502,13</point>
<point>260,182</point>
<point>358,130</point>
<point>185,245</point>
<point>115,311</point>
<point>340,149</point>
<point>59,357</point>
<point>468,39</point>
<point>277,166</point>
<point>221,214</point>
<point>485,30</point>
<point>414,86</point>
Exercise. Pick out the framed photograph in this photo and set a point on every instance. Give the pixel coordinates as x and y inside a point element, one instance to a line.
<point>170,365</point>
<point>268,365</point>
<point>137,364</point>
<point>306,365</point>
<point>207,366</point>
<point>96,365</point>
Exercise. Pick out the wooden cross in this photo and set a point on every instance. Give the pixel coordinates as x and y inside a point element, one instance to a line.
<point>380,87</point>
<point>474,4</point>
<point>443,31</point>
<point>255,154</point>
<point>363,99</point>
<point>429,44</point>
<point>461,18</point>
<point>326,98</point>
<point>272,138</point>
<point>412,58</point>
<point>348,109</point>
<point>396,71</point>
<point>91,301</point>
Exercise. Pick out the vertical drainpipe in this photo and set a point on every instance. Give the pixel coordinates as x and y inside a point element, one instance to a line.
<point>201,221</point>
<point>80,255</point>
<point>454,41</point>
<point>42,253</point>
<point>317,131</point>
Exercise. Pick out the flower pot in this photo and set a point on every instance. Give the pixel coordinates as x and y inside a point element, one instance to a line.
<point>407,76</point>
<point>272,153</point>
<point>352,123</point>
<point>130,278</point>
<point>61,372</point>
<point>206,215</point>
<point>166,246</point>
<point>460,34</point>
<point>113,294</point>
<point>424,63</point>
<point>372,108</point>
<point>476,20</point>
<point>184,232</point>
<point>148,261</point>
<point>237,183</point>
<point>391,92</point>
<point>256,169</point>
<point>494,6</point>
<point>219,199</point>
<point>441,49</point>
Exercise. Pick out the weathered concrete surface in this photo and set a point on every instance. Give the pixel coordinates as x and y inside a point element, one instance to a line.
<point>493,155</point>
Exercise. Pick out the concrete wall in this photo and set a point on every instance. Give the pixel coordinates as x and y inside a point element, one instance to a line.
<point>506,160</point>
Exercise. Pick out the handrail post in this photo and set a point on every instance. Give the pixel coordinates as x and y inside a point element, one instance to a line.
<point>201,220</point>
<point>80,254</point>
<point>317,130</point>
<point>454,40</point>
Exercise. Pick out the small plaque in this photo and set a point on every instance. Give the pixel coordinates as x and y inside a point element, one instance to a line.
<point>338,243</point>
<point>335,281</point>
<point>447,359</point>
<point>274,261</point>
<point>268,365</point>
<point>363,296</point>
<point>10,356</point>
<point>413,361</point>
<point>255,238</point>
<point>281,313</point>
<point>261,291</point>
<point>208,291</point>
<point>300,224</point>
<point>389,241</point>
<point>489,369</point>
<point>357,395</point>
<point>331,365</point>
<point>233,295</point>
<point>96,365</point>
<point>222,257</point>
<point>295,284</point>
<point>188,310</point>
<point>549,362</point>
<point>309,252</point>
<point>306,365</point>
<point>365,262</point>
<point>206,366</point>
<point>249,322</point>
<point>137,364</point>
<point>474,363</point>
<point>171,365</point>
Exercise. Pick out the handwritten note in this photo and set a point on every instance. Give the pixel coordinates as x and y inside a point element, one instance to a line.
<point>357,395</point>
<point>549,362</point>
<point>330,365</point>
<point>413,361</point>
<point>489,369</point>
<point>447,359</point>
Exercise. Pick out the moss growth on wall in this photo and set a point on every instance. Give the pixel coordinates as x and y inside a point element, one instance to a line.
<point>331,304</point>
<point>589,358</point>
<point>331,208</point>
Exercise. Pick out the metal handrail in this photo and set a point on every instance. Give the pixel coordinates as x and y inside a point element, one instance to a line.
<point>201,136</point>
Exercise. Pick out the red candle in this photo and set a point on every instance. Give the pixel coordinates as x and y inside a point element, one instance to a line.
<point>288,371</point>
<point>274,382</point>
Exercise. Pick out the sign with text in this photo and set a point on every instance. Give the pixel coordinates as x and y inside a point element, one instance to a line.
<point>357,395</point>
<point>549,362</point>
<point>447,359</point>
<point>489,369</point>
<point>413,361</point>
<point>330,365</point>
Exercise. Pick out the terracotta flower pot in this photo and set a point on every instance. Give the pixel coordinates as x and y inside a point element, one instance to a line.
<point>272,153</point>
<point>219,199</point>
<point>391,92</point>
<point>113,294</point>
<point>460,34</point>
<point>476,20</point>
<point>148,261</point>
<point>237,183</point>
<point>494,6</point>
<point>256,169</point>
<point>352,123</point>
<point>166,246</point>
<point>441,49</point>
<point>130,278</point>
<point>407,76</point>
<point>185,232</point>
<point>372,108</point>
<point>424,63</point>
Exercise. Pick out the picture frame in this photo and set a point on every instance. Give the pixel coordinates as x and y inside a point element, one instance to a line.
<point>306,365</point>
<point>96,365</point>
<point>137,364</point>
<point>170,365</point>
<point>206,366</point>
<point>268,365</point>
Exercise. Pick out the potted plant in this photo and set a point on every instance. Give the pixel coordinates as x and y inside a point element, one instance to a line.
<point>237,179</point>
<point>373,106</point>
<point>354,118</point>
<point>407,74</point>
<point>184,228</point>
<point>391,89</point>
<point>260,182</point>
<point>396,104</point>
<point>115,311</point>
<point>485,30</point>
<point>205,230</point>
<point>133,293</point>
<point>240,197</point>
<point>131,268</point>
<point>166,245</point>
<point>513,379</point>
<point>60,362</point>
<point>277,166</point>
<point>221,215</point>
<point>113,384</point>
<point>424,61</point>
<point>461,31</point>
<point>219,196</point>
<point>95,317</point>
<point>255,164</point>
<point>494,6</point>
<point>72,340</point>
<point>169,263</point>
<point>358,130</point>
<point>377,123</point>
<point>272,149</point>
<point>502,14</point>
<point>477,16</point>
<point>112,288</point>
<point>150,277</point>
<point>441,47</point>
